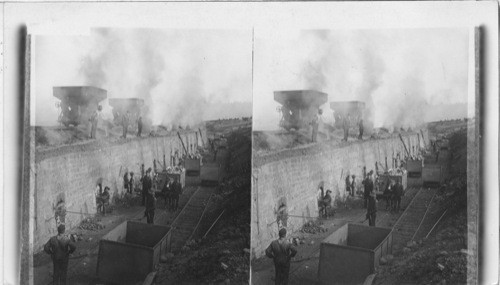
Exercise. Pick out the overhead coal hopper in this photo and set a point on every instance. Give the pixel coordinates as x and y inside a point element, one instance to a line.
<point>78,103</point>
<point>299,107</point>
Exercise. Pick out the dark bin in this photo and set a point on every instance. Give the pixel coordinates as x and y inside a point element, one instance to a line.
<point>132,250</point>
<point>192,166</point>
<point>414,168</point>
<point>352,253</point>
<point>431,175</point>
<point>210,175</point>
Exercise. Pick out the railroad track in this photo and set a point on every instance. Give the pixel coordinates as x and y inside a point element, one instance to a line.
<point>409,225</point>
<point>189,218</point>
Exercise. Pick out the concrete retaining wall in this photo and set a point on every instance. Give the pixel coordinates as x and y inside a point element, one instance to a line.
<point>292,178</point>
<point>72,176</point>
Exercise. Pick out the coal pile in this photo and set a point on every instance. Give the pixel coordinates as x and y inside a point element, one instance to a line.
<point>313,227</point>
<point>91,224</point>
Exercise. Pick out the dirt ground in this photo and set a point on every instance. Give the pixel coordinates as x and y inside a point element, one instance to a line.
<point>222,257</point>
<point>304,267</point>
<point>439,259</point>
<point>83,262</point>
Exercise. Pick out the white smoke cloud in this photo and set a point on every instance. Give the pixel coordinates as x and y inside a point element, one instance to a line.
<point>180,74</point>
<point>399,74</point>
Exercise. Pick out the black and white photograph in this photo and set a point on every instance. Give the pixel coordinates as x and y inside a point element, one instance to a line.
<point>360,156</point>
<point>206,142</point>
<point>142,155</point>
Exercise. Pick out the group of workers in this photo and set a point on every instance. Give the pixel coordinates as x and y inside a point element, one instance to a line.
<point>346,124</point>
<point>126,121</point>
<point>392,195</point>
<point>96,116</point>
<point>171,192</point>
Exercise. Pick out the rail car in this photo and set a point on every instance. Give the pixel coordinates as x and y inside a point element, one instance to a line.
<point>299,107</point>
<point>414,168</point>
<point>77,103</point>
<point>432,175</point>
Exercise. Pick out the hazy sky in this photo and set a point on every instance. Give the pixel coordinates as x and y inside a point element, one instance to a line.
<point>181,74</point>
<point>404,76</point>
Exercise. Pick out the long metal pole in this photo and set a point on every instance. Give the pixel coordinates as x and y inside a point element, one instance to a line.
<point>213,224</point>
<point>423,218</point>
<point>407,152</point>
<point>183,146</point>
<point>436,224</point>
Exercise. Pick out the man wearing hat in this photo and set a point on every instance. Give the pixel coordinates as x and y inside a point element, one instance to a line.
<point>60,247</point>
<point>176,192</point>
<point>371,211</point>
<point>147,183</point>
<point>281,251</point>
<point>398,192</point>
<point>150,206</point>
<point>368,184</point>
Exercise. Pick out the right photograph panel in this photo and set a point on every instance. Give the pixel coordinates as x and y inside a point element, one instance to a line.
<point>365,156</point>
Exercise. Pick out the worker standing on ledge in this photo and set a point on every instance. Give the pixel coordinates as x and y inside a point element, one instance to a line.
<point>60,247</point>
<point>139,126</point>
<point>281,251</point>
<point>345,123</point>
<point>371,211</point>
<point>315,125</point>
<point>361,129</point>
<point>94,118</point>
<point>125,120</point>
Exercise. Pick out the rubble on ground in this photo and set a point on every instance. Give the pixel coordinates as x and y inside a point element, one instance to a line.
<point>313,227</point>
<point>442,258</point>
<point>91,224</point>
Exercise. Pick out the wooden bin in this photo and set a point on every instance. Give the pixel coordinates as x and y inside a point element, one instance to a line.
<point>192,166</point>
<point>132,250</point>
<point>352,253</point>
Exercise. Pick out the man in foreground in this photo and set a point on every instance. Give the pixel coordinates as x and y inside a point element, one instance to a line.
<point>60,247</point>
<point>281,251</point>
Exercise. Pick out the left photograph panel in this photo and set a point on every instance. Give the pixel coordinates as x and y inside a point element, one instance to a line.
<point>140,154</point>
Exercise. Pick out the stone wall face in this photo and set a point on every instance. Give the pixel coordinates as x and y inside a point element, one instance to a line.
<point>72,177</point>
<point>292,178</point>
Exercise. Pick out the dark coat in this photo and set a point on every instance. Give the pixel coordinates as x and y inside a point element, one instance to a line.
<point>368,183</point>
<point>59,247</point>
<point>146,184</point>
<point>150,202</point>
<point>372,206</point>
<point>281,252</point>
<point>398,190</point>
